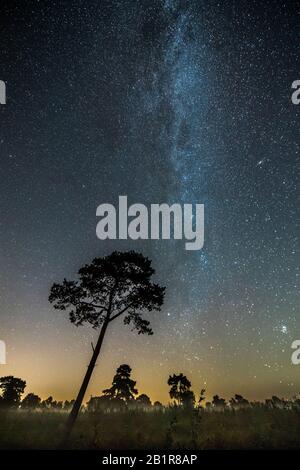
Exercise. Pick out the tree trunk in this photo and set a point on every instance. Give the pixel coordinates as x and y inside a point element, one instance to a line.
<point>78,402</point>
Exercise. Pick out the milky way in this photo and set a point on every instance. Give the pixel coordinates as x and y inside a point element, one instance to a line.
<point>163,101</point>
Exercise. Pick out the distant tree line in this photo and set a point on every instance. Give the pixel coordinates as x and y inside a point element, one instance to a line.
<point>13,388</point>
<point>123,394</point>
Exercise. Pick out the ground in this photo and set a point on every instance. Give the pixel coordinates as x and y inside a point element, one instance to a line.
<point>252,428</point>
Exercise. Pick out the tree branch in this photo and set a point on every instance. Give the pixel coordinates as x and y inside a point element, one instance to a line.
<point>92,304</point>
<point>120,313</point>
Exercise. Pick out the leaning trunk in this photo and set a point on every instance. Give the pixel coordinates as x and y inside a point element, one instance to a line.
<point>78,402</point>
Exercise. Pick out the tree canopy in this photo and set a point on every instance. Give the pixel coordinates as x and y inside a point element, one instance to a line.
<point>180,390</point>
<point>123,387</point>
<point>12,389</point>
<point>109,287</point>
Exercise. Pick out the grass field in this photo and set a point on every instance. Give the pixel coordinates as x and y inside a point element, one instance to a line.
<point>170,428</point>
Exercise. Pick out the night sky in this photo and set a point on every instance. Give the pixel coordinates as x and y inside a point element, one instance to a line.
<point>162,101</point>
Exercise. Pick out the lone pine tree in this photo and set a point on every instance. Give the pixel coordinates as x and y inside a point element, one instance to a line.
<point>123,387</point>
<point>110,287</point>
<point>180,390</point>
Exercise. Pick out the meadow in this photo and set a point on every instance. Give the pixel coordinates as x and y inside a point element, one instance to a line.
<point>257,427</point>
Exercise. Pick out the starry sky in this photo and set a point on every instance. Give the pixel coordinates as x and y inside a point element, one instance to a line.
<point>163,101</point>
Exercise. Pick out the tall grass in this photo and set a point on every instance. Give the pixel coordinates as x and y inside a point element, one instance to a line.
<point>169,428</point>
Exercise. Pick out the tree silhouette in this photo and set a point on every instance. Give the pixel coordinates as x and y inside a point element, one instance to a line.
<point>57,405</point>
<point>180,388</point>
<point>238,402</point>
<point>47,403</point>
<point>275,402</point>
<point>115,285</point>
<point>98,404</point>
<point>218,402</point>
<point>143,400</point>
<point>158,405</point>
<point>31,401</point>
<point>12,389</point>
<point>67,406</point>
<point>123,387</point>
